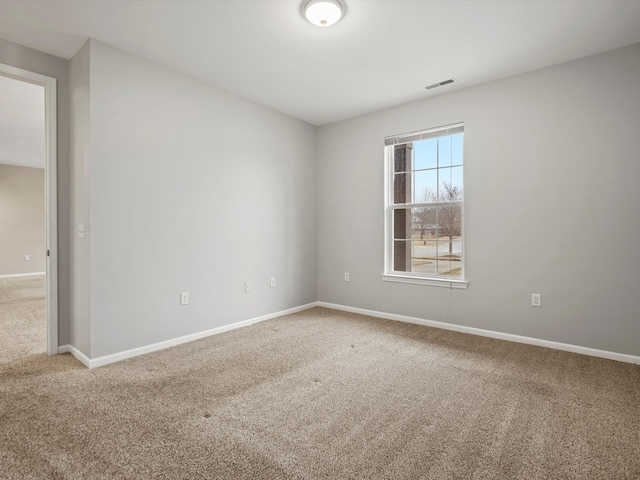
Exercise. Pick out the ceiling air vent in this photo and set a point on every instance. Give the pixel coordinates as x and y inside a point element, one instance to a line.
<point>439,84</point>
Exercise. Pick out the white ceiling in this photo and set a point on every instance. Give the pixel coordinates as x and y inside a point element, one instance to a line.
<point>21,123</point>
<point>382,53</point>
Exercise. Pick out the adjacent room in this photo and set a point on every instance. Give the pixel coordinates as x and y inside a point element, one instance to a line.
<point>22,220</point>
<point>308,239</point>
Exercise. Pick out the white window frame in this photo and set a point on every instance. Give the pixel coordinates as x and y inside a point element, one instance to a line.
<point>389,274</point>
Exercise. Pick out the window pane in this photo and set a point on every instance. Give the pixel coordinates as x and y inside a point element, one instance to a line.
<point>450,184</point>
<point>456,149</point>
<point>456,182</point>
<point>426,154</point>
<point>444,152</point>
<point>453,270</point>
<point>425,222</point>
<point>441,246</point>
<point>402,223</point>
<point>402,188</point>
<point>456,267</point>
<point>426,184</point>
<point>424,251</point>
<point>424,265</point>
<point>444,267</point>
<point>449,231</point>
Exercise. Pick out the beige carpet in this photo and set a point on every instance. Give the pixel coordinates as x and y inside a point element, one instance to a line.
<point>324,394</point>
<point>22,317</point>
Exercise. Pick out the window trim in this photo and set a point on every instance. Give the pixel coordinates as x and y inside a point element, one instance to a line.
<point>389,274</point>
<point>430,281</point>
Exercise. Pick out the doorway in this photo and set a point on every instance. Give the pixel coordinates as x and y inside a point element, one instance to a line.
<point>46,253</point>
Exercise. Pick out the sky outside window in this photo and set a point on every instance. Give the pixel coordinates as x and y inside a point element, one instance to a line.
<point>436,161</point>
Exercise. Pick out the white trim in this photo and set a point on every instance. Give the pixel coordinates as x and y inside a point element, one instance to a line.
<point>443,131</point>
<point>51,193</point>
<point>434,282</point>
<point>593,352</point>
<point>134,352</point>
<point>116,357</point>
<point>13,275</point>
<point>76,353</point>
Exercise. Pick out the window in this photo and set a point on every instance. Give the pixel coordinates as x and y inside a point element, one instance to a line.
<point>424,201</point>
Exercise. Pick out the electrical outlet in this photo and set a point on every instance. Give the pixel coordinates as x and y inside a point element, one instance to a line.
<point>247,287</point>
<point>536,300</point>
<point>346,276</point>
<point>273,282</point>
<point>184,298</point>
<point>27,258</point>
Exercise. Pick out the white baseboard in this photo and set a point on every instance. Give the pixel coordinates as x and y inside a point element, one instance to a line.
<point>593,352</point>
<point>76,353</point>
<point>116,357</point>
<point>14,275</point>
<point>134,352</point>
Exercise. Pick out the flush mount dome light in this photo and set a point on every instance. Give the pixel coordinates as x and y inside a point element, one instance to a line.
<point>323,12</point>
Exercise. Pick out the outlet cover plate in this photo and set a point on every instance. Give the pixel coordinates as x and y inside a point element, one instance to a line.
<point>536,300</point>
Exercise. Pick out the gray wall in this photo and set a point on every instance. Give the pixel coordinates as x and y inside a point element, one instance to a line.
<point>551,172</point>
<point>58,68</point>
<point>80,326</point>
<point>22,220</point>
<point>191,190</point>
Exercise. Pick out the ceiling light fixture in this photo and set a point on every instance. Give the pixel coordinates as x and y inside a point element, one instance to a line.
<point>323,13</point>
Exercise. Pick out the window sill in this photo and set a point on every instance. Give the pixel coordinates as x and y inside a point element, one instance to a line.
<point>432,282</point>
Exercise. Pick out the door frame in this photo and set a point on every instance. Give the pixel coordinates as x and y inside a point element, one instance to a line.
<point>51,194</point>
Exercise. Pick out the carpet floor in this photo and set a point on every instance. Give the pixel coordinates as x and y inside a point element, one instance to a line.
<point>323,394</point>
<point>22,317</point>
